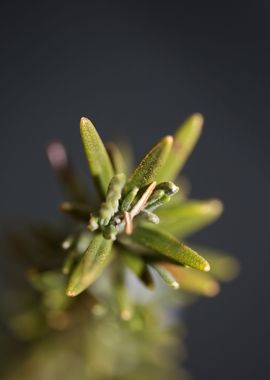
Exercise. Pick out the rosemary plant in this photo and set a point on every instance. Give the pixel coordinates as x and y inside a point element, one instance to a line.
<point>102,286</point>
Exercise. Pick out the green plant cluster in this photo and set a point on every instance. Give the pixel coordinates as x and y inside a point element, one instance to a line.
<point>88,309</point>
<point>124,224</point>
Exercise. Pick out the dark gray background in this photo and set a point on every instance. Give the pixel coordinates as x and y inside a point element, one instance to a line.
<point>138,68</point>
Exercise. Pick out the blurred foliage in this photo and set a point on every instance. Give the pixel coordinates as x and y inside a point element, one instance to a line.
<point>97,297</point>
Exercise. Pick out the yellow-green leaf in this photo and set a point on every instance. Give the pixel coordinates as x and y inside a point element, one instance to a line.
<point>223,266</point>
<point>117,158</point>
<point>168,245</point>
<point>193,281</point>
<point>99,162</point>
<point>151,164</point>
<point>80,211</point>
<point>94,260</point>
<point>186,217</point>
<point>185,139</point>
<point>138,266</point>
<point>111,204</point>
<point>166,276</point>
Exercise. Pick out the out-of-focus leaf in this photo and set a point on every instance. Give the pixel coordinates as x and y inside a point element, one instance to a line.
<point>184,141</point>
<point>80,211</point>
<point>28,324</point>
<point>69,262</point>
<point>117,159</point>
<point>99,162</point>
<point>186,217</point>
<point>137,265</point>
<point>127,152</point>
<point>223,266</point>
<point>95,259</point>
<point>166,276</point>
<point>124,304</point>
<point>151,164</point>
<point>168,245</point>
<point>193,281</point>
<point>72,184</point>
<point>43,281</point>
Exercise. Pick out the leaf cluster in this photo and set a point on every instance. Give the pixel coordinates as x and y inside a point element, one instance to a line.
<point>142,219</point>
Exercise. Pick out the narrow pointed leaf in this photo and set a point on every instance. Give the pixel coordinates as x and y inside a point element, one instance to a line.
<point>184,141</point>
<point>69,262</point>
<point>166,276</point>
<point>167,245</point>
<point>150,166</point>
<point>128,199</point>
<point>99,162</point>
<point>117,159</point>
<point>186,217</point>
<point>223,266</point>
<point>95,259</point>
<point>124,304</point>
<point>193,281</point>
<point>76,210</point>
<point>111,204</point>
<point>137,265</point>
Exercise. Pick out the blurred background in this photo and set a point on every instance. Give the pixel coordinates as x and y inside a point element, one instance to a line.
<point>137,69</point>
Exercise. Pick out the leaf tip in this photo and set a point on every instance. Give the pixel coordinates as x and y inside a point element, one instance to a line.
<point>198,120</point>
<point>85,123</point>
<point>206,267</point>
<point>212,207</point>
<point>217,206</point>
<point>175,285</point>
<point>168,140</point>
<point>212,289</point>
<point>84,120</point>
<point>70,293</point>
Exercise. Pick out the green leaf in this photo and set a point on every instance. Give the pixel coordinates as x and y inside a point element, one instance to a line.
<point>94,260</point>
<point>223,266</point>
<point>128,199</point>
<point>166,276</point>
<point>77,210</point>
<point>193,281</point>
<point>167,245</point>
<point>124,305</point>
<point>186,217</point>
<point>138,266</point>
<point>184,141</point>
<point>150,166</point>
<point>99,162</point>
<point>111,204</point>
<point>117,159</point>
<point>69,262</point>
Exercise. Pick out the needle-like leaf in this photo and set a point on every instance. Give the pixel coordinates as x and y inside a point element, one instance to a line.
<point>137,265</point>
<point>124,305</point>
<point>184,141</point>
<point>77,210</point>
<point>187,217</point>
<point>99,162</point>
<point>166,276</point>
<point>193,281</point>
<point>110,206</point>
<point>150,166</point>
<point>167,245</point>
<point>117,158</point>
<point>223,266</point>
<point>95,259</point>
